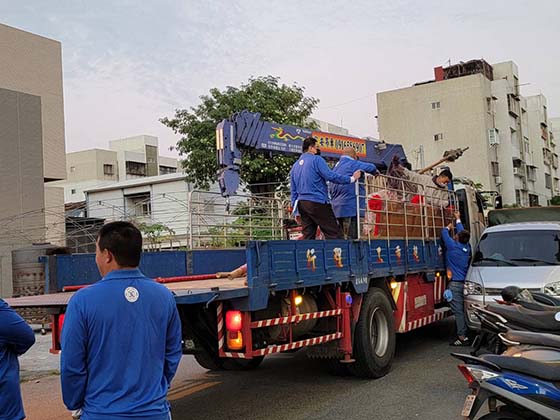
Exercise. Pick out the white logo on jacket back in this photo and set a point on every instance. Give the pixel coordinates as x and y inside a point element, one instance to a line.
<point>131,294</point>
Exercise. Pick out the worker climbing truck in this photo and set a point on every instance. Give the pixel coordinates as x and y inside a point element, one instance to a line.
<point>343,300</point>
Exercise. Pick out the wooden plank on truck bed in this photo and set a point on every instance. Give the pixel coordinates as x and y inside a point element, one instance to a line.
<point>186,288</point>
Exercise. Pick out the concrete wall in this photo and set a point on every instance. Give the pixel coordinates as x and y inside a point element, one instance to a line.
<point>21,177</point>
<point>31,141</point>
<point>33,64</point>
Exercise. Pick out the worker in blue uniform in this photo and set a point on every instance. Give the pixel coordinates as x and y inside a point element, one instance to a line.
<point>457,258</point>
<point>121,338</point>
<point>16,337</point>
<point>309,193</point>
<point>343,196</point>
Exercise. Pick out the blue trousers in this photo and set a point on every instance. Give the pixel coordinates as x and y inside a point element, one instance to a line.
<point>458,306</point>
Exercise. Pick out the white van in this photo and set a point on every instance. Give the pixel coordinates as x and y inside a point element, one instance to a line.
<point>526,255</point>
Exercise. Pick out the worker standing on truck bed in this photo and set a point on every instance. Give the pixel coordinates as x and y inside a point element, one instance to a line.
<point>343,197</point>
<point>457,258</point>
<point>121,339</point>
<point>309,194</point>
<point>16,337</point>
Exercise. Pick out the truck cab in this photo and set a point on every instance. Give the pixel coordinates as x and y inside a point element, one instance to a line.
<point>524,254</point>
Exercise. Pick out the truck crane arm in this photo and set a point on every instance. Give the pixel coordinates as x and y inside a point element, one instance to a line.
<point>245,130</point>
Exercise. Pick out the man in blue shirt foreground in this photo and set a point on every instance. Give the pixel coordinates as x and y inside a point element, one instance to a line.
<point>457,257</point>
<point>121,339</point>
<point>343,196</point>
<point>309,194</point>
<point>16,337</point>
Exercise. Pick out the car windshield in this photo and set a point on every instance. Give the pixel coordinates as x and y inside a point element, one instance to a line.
<point>518,248</point>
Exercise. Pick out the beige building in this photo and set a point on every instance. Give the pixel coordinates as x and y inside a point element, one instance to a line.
<point>475,105</point>
<point>127,158</point>
<point>32,145</point>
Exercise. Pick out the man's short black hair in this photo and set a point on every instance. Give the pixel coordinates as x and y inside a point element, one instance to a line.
<point>464,236</point>
<point>124,240</point>
<point>308,142</point>
<point>447,173</point>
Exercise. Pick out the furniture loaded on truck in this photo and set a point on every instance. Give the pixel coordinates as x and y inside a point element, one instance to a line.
<point>344,300</point>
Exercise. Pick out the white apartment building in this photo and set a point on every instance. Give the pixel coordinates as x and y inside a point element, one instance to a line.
<point>195,217</point>
<point>127,158</point>
<point>477,105</point>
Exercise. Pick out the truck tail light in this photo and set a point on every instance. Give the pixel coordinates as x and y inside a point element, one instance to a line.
<point>234,321</point>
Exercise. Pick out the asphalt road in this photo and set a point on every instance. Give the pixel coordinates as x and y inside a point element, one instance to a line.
<point>423,384</point>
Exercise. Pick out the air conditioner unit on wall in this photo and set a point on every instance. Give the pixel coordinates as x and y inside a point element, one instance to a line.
<point>493,137</point>
<point>516,171</point>
<point>498,180</point>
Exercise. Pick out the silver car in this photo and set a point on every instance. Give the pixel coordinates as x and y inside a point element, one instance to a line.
<point>526,255</point>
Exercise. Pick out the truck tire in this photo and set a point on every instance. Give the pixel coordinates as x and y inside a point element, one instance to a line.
<point>374,336</point>
<point>241,364</point>
<point>207,361</point>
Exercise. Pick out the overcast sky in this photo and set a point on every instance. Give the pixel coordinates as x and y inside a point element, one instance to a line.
<point>129,62</point>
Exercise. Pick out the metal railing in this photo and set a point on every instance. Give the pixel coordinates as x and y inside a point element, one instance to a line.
<point>399,208</point>
<point>215,221</point>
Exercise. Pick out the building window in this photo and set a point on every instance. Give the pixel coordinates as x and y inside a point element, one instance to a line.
<point>108,169</point>
<point>495,169</point>
<point>72,169</point>
<point>73,191</point>
<point>139,204</point>
<point>518,197</point>
<point>167,170</point>
<point>436,105</point>
<point>135,168</point>
<point>547,181</point>
<point>531,173</point>
<point>533,200</point>
<point>438,136</point>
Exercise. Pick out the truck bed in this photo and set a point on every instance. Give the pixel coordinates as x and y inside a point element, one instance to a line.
<point>186,292</point>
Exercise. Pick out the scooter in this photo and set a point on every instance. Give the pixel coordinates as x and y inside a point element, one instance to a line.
<point>519,310</point>
<point>515,387</point>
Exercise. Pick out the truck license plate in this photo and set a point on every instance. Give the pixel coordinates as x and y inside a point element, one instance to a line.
<point>467,407</point>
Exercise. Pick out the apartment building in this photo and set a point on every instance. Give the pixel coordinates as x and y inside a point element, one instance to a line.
<point>126,158</point>
<point>32,145</point>
<point>477,105</point>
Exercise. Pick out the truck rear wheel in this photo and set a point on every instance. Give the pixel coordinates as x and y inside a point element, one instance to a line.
<point>241,364</point>
<point>374,337</point>
<point>207,361</point>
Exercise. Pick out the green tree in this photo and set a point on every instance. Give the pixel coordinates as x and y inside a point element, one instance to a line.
<point>156,234</point>
<point>277,103</point>
<point>555,200</point>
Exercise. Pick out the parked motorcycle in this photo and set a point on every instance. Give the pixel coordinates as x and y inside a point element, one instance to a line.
<point>515,388</point>
<point>520,310</point>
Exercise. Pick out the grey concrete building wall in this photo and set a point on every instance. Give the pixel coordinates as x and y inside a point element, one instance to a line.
<point>21,177</point>
<point>33,64</point>
<point>31,140</point>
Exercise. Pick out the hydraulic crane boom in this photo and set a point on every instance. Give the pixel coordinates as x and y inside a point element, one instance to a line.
<point>245,130</point>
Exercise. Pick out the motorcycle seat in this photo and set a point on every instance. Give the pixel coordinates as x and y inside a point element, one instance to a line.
<point>527,318</point>
<point>548,371</point>
<point>539,339</point>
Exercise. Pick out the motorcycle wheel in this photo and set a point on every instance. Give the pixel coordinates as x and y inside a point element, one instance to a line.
<point>506,413</point>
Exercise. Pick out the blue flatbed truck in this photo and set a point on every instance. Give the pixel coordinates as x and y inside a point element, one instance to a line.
<point>344,300</point>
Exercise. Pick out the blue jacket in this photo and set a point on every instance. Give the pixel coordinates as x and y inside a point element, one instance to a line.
<point>121,345</point>
<point>309,176</point>
<point>457,255</point>
<point>343,197</point>
<point>15,339</point>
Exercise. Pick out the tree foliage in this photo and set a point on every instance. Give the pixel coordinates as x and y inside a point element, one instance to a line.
<point>278,103</point>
